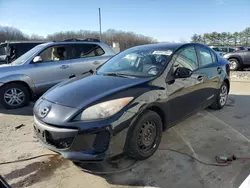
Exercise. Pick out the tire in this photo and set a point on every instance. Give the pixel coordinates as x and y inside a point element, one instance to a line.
<point>15,92</point>
<point>149,123</point>
<point>234,64</point>
<point>220,102</point>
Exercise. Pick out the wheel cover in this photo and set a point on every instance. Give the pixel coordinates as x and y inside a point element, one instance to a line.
<point>232,64</point>
<point>223,95</point>
<point>147,136</point>
<point>14,96</point>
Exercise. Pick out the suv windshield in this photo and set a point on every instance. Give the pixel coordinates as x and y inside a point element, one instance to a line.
<point>137,62</point>
<point>21,60</point>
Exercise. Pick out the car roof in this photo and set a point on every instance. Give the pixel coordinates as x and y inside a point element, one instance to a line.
<point>24,42</point>
<point>74,42</point>
<point>170,46</point>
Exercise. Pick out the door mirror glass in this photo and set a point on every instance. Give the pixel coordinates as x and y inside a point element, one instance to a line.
<point>37,59</point>
<point>182,72</point>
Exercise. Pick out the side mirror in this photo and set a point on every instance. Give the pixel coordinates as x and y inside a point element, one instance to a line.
<point>37,59</point>
<point>182,72</point>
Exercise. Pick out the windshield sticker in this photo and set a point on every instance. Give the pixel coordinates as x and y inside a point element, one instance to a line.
<point>168,52</point>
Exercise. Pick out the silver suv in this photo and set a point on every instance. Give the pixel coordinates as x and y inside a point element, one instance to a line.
<point>46,65</point>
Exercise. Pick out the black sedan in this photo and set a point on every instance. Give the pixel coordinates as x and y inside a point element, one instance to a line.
<point>126,104</point>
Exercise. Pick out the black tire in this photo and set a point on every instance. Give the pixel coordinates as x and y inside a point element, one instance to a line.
<point>234,64</point>
<point>152,121</point>
<point>217,105</point>
<point>19,87</point>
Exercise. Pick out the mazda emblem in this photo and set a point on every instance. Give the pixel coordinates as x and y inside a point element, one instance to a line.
<point>43,111</point>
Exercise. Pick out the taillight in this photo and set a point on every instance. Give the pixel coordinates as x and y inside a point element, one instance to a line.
<point>228,69</point>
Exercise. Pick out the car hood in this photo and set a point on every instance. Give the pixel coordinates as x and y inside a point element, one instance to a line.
<point>80,92</point>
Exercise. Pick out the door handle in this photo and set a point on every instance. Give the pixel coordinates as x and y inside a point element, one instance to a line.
<point>200,78</point>
<point>219,70</point>
<point>64,66</point>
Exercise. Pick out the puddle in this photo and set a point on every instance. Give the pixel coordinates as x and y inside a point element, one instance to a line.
<point>38,171</point>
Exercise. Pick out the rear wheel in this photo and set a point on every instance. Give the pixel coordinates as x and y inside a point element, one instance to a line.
<point>221,98</point>
<point>144,136</point>
<point>234,64</point>
<point>14,95</point>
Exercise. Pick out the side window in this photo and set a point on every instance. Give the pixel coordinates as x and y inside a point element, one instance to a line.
<point>205,56</point>
<point>231,50</point>
<point>54,53</point>
<point>186,58</point>
<point>214,58</point>
<point>85,50</point>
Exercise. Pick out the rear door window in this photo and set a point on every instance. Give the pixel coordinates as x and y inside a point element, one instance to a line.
<point>205,56</point>
<point>84,50</point>
<point>214,58</point>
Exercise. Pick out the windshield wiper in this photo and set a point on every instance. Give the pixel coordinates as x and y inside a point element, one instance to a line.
<point>118,74</point>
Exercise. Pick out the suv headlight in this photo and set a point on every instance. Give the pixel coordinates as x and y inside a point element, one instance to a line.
<point>103,110</point>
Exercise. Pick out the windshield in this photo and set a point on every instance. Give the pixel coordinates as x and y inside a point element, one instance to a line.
<point>21,60</point>
<point>2,50</point>
<point>137,62</point>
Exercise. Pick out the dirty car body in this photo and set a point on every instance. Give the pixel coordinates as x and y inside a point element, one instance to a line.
<point>63,124</point>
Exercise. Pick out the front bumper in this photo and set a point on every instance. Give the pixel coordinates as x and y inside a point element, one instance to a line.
<point>74,144</point>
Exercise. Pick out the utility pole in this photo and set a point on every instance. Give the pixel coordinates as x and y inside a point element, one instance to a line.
<point>100,23</point>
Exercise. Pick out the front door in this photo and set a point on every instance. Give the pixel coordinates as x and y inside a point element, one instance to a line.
<point>182,93</point>
<point>54,68</point>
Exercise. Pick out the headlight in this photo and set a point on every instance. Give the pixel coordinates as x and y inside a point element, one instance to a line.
<point>103,110</point>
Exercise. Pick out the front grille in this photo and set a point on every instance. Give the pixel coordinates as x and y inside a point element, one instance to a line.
<point>101,142</point>
<point>58,143</point>
<point>47,138</point>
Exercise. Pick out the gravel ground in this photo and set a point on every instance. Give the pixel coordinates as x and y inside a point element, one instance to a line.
<point>204,135</point>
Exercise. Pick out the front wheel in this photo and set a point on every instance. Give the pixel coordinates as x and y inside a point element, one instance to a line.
<point>144,136</point>
<point>221,98</point>
<point>14,95</point>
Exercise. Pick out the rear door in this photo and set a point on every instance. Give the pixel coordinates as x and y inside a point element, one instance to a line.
<point>210,71</point>
<point>86,56</point>
<point>246,57</point>
<point>54,68</point>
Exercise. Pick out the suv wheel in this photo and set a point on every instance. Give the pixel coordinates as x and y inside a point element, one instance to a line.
<point>221,98</point>
<point>14,95</point>
<point>234,64</point>
<point>144,136</point>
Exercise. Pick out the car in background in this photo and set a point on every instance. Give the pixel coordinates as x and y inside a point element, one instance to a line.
<point>127,103</point>
<point>239,59</point>
<point>222,50</point>
<point>9,51</point>
<point>46,65</point>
